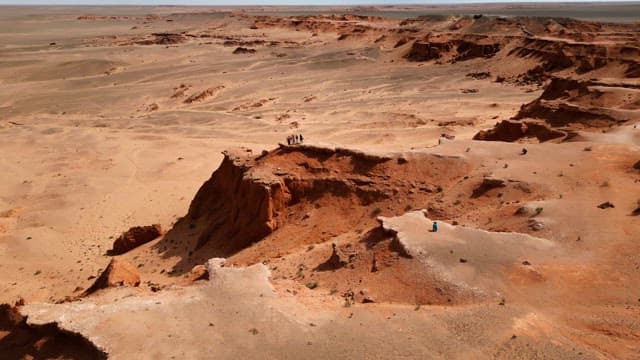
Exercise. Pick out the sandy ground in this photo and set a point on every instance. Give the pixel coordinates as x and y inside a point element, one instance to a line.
<point>99,133</point>
<point>87,161</point>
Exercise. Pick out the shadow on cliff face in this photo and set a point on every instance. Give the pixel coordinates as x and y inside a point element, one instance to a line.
<point>272,204</point>
<point>19,340</point>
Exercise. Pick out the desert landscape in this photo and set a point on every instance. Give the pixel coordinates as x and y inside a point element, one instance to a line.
<point>263,182</point>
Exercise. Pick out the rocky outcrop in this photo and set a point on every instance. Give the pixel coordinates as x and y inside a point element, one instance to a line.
<point>135,237</point>
<point>347,24</point>
<point>560,114</point>
<point>633,70</point>
<point>606,205</point>
<point>199,272</point>
<point>203,95</point>
<point>479,75</point>
<point>557,54</point>
<point>334,262</point>
<point>425,51</point>
<point>564,88</point>
<point>238,206</point>
<point>511,131</point>
<point>452,49</point>
<point>247,198</point>
<point>163,39</point>
<point>118,273</point>
<point>587,103</point>
<point>244,50</point>
<point>234,208</point>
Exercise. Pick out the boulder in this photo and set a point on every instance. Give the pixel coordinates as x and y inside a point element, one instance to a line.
<point>363,297</point>
<point>199,272</point>
<point>135,237</point>
<point>119,272</point>
<point>244,50</point>
<point>606,205</point>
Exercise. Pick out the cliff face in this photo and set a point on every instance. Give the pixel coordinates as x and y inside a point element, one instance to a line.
<point>557,54</point>
<point>591,104</point>
<point>248,198</point>
<point>465,47</point>
<point>567,105</point>
<point>237,207</point>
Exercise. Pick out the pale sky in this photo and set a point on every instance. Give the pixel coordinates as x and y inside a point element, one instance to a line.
<point>260,2</point>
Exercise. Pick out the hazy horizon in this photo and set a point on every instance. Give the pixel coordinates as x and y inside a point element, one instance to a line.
<point>287,2</point>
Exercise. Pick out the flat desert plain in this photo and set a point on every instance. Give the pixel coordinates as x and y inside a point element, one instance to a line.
<point>264,183</point>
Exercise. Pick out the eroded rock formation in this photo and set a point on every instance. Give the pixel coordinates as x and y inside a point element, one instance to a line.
<point>248,197</point>
<point>585,103</point>
<point>445,48</point>
<point>511,131</point>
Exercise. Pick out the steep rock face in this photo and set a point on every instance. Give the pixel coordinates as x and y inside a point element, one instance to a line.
<point>456,49</point>
<point>240,204</point>
<point>558,54</point>
<point>235,207</point>
<point>561,87</point>
<point>313,189</point>
<point>425,51</point>
<point>633,70</point>
<point>343,24</point>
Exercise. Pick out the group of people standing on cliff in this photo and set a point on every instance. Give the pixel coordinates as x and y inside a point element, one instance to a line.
<point>295,139</point>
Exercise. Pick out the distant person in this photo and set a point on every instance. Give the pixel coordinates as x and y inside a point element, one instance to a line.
<point>301,138</point>
<point>289,140</point>
<point>434,227</point>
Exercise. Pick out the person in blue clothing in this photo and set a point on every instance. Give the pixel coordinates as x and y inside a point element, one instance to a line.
<point>434,227</point>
